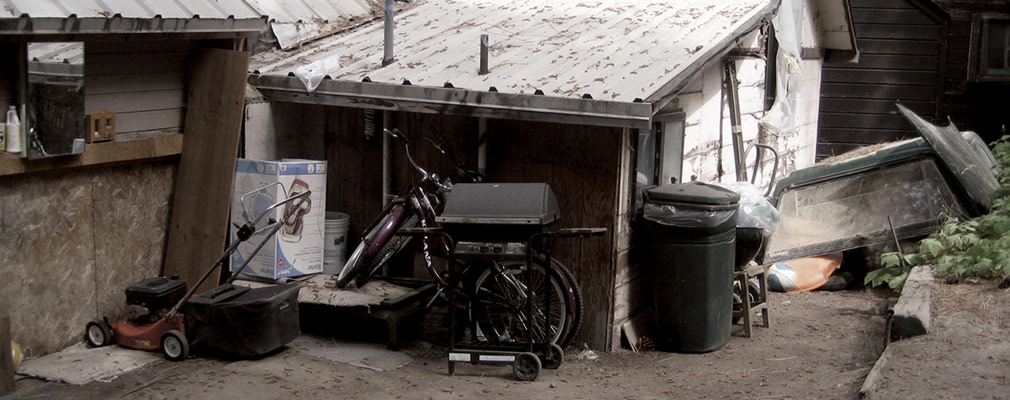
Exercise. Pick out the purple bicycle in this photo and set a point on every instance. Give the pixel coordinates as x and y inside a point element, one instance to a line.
<point>495,292</point>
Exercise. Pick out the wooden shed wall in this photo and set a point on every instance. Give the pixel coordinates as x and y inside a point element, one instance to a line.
<point>976,106</point>
<point>902,52</point>
<point>142,81</point>
<point>580,163</point>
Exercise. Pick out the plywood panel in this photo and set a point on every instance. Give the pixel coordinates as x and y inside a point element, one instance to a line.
<point>207,167</point>
<point>132,205</point>
<point>49,258</point>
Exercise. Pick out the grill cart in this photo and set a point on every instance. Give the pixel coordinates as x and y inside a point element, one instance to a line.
<point>496,223</point>
<point>163,315</point>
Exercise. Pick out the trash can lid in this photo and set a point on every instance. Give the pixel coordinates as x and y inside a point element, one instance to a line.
<point>692,193</point>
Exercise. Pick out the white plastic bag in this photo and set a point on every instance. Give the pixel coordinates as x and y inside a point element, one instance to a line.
<point>755,211</point>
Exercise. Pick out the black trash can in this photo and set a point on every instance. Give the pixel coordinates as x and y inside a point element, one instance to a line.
<point>692,243</point>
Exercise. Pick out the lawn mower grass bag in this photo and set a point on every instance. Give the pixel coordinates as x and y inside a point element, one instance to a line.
<point>244,321</point>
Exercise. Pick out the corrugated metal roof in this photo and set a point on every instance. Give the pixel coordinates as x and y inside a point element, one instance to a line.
<point>288,11</point>
<point>185,9</point>
<point>100,16</point>
<point>612,50</point>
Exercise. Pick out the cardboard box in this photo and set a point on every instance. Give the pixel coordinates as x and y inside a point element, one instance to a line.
<point>297,248</point>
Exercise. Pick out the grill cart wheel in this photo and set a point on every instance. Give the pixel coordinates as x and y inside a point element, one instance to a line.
<point>526,366</point>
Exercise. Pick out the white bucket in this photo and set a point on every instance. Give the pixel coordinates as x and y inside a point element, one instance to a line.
<point>335,242</point>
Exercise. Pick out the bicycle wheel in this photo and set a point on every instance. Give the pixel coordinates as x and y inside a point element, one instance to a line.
<point>392,248</point>
<point>499,307</point>
<point>360,262</point>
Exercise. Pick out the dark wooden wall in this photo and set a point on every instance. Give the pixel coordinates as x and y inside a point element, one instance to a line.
<point>902,50</point>
<point>580,163</point>
<point>977,106</point>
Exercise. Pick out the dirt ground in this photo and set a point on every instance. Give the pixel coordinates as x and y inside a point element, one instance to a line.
<point>966,355</point>
<point>819,345</point>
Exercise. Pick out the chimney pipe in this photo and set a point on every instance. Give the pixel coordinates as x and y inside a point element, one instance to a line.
<point>387,54</point>
<point>483,55</point>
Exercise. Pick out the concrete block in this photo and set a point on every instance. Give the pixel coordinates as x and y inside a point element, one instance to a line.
<point>912,313</point>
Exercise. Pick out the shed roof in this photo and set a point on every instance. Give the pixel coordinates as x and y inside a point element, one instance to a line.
<point>295,22</point>
<point>616,50</point>
<point>128,16</point>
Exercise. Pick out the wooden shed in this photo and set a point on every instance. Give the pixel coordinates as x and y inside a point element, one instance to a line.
<point>76,229</point>
<point>599,101</point>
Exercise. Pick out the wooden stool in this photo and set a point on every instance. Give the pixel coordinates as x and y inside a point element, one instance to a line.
<point>750,271</point>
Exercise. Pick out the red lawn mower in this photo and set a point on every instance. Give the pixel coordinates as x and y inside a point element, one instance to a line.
<point>163,315</point>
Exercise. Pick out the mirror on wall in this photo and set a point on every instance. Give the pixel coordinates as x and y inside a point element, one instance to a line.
<point>54,119</point>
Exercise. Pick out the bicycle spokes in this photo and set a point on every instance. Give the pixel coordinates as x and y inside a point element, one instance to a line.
<point>501,305</point>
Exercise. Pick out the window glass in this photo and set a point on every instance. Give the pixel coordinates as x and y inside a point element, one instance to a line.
<point>997,48</point>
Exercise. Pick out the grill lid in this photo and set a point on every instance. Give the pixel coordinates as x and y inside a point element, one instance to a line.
<point>501,204</point>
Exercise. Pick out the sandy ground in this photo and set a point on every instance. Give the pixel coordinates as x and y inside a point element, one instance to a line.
<point>966,355</point>
<point>819,345</point>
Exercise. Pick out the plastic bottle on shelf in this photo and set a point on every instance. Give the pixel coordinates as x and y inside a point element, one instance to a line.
<point>13,131</point>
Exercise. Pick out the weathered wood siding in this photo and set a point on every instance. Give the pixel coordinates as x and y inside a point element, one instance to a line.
<point>142,81</point>
<point>901,56</point>
<point>976,106</point>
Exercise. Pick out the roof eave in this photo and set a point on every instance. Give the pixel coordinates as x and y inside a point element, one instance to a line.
<point>711,54</point>
<point>213,27</point>
<point>459,101</point>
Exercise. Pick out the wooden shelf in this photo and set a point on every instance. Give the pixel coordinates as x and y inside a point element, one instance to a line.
<point>97,154</point>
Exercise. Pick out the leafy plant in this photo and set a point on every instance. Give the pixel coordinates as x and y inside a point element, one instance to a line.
<point>974,249</point>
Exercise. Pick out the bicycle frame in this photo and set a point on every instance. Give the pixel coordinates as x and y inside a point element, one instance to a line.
<point>424,199</point>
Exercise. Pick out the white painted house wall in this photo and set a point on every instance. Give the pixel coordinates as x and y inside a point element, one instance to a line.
<point>708,143</point>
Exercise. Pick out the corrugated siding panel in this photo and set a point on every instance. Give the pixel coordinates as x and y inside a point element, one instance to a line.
<point>564,48</point>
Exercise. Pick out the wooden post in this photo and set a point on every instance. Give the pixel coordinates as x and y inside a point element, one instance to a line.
<point>6,358</point>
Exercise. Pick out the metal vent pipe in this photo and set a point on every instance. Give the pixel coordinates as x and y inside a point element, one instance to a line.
<point>483,55</point>
<point>387,54</point>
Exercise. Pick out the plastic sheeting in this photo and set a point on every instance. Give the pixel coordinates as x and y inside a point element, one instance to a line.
<point>755,210</point>
<point>780,120</point>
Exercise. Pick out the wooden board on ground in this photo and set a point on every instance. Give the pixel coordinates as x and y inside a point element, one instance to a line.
<point>199,224</point>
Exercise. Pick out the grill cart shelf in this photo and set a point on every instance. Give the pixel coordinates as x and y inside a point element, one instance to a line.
<point>502,222</point>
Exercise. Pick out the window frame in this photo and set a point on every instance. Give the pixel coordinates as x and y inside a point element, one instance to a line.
<point>978,50</point>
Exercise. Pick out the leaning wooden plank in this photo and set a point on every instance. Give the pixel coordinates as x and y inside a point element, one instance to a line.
<point>203,186</point>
